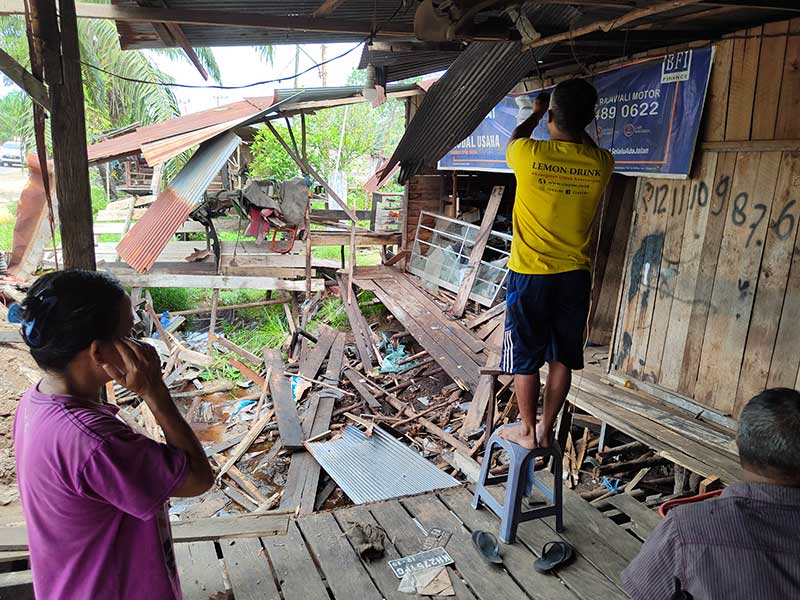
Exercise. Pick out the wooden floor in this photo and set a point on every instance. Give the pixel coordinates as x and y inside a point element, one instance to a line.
<point>316,560</point>
<point>677,434</point>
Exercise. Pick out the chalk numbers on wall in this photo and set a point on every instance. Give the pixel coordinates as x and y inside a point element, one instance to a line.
<point>743,211</point>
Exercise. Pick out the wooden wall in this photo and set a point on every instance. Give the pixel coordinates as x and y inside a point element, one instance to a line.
<point>710,303</point>
<point>425,191</point>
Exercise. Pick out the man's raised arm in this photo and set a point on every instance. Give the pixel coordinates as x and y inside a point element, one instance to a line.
<point>525,129</point>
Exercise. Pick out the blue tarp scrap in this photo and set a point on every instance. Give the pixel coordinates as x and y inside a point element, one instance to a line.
<point>393,355</point>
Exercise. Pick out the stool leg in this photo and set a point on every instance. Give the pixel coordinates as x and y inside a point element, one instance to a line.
<point>512,507</point>
<point>480,486</point>
<point>558,484</point>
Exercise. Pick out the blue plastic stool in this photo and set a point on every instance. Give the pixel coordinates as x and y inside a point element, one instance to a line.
<point>519,481</point>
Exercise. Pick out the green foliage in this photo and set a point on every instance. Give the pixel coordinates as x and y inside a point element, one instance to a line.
<point>170,299</point>
<point>332,313</point>
<point>16,118</point>
<point>99,199</point>
<point>269,332</point>
<point>368,133</point>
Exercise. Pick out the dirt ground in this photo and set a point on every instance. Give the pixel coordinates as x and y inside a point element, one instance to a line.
<point>19,372</point>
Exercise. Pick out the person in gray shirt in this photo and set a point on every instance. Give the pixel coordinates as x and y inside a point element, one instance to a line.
<point>744,544</point>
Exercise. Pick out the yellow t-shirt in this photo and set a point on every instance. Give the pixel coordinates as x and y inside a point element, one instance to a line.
<point>559,186</point>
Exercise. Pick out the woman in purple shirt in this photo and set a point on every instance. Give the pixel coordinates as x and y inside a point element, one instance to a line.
<point>94,492</point>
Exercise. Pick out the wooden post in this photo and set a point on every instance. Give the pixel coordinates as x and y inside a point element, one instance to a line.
<point>212,327</point>
<point>308,252</point>
<point>68,122</point>
<point>474,264</point>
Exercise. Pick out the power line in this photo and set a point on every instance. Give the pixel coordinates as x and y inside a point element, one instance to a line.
<point>218,87</point>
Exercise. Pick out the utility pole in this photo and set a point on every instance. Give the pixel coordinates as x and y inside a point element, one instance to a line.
<point>296,64</point>
<point>324,67</point>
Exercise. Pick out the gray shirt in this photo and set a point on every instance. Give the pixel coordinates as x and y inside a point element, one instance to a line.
<point>743,545</point>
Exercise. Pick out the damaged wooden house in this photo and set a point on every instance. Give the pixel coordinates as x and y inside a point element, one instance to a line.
<point>347,458</point>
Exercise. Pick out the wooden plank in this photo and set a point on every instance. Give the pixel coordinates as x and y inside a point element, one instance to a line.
<point>222,282</point>
<point>407,536</point>
<point>688,271</point>
<point>480,399</point>
<point>752,189</point>
<point>516,557</point>
<point>458,365</point>
<point>772,280</point>
<point>683,451</point>
<point>605,314</point>
<point>716,107</point>
<point>302,479</point>
<point>744,71</point>
<point>644,519</point>
<point>788,125</point>
<point>426,310</point>
<point>248,570</point>
<point>644,271</point>
<point>312,361</point>
<point>229,527</point>
<point>768,84</point>
<point>199,570</point>
<point>580,576</point>
<point>293,566</point>
<point>285,408</point>
<point>247,441</point>
<point>374,238</point>
<point>359,327</point>
<point>488,582</point>
<point>783,369</point>
<point>342,567</point>
<point>664,294</point>
<point>709,255</point>
<point>225,343</point>
<point>379,570</point>
<point>485,315</point>
<point>476,254</point>
<point>29,84</point>
<point>357,381</point>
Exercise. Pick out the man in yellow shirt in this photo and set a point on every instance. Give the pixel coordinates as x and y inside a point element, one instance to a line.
<point>560,183</point>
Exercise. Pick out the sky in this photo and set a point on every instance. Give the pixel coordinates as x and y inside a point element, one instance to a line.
<point>242,65</point>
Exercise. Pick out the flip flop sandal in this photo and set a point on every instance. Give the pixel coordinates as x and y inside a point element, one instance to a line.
<point>554,554</point>
<point>487,545</point>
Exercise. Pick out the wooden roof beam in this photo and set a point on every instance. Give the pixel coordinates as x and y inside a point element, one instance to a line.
<point>612,24</point>
<point>327,7</point>
<point>217,18</point>
<point>25,80</point>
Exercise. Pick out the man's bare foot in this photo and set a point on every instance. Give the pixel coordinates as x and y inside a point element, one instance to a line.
<point>521,435</point>
<point>545,438</point>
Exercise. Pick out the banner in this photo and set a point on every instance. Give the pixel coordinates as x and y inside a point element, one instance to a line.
<point>648,116</point>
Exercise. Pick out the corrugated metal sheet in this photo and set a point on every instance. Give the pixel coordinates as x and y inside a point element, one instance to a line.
<point>149,236</point>
<point>375,468</point>
<point>401,65</point>
<point>378,12</point>
<point>164,140</point>
<point>453,108</point>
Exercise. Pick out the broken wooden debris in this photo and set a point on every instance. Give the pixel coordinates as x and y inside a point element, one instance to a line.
<point>284,405</point>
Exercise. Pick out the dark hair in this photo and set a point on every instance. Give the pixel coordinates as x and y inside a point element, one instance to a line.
<point>65,311</point>
<point>769,433</point>
<point>572,104</point>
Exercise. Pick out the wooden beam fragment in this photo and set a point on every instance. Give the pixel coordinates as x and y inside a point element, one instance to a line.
<point>476,255</point>
<point>611,24</point>
<point>29,84</point>
<point>247,441</point>
<point>284,405</point>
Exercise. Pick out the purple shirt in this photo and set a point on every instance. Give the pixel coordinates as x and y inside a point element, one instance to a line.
<point>745,544</point>
<point>94,496</point>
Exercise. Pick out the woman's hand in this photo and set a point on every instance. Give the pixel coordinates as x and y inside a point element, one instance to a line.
<point>140,371</point>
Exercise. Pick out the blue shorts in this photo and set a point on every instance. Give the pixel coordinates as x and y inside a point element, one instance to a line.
<point>545,320</point>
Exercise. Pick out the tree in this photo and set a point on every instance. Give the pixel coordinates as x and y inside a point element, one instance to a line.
<point>369,134</point>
